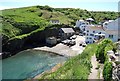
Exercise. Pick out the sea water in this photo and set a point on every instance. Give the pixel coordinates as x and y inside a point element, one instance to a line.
<point>28,64</point>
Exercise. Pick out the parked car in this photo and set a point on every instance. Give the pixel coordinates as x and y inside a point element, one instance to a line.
<point>80,44</point>
<point>66,41</point>
<point>84,45</point>
<point>72,43</point>
<point>73,37</point>
<point>81,34</point>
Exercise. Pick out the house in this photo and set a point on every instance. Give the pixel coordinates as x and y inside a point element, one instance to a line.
<point>112,29</point>
<point>65,33</point>
<point>107,24</point>
<point>90,20</point>
<point>54,21</point>
<point>93,33</point>
<point>81,24</point>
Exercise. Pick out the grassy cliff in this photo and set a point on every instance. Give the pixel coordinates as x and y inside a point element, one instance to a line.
<point>24,20</point>
<point>29,23</point>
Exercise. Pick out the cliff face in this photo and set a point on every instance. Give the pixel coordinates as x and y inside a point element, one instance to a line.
<point>15,45</point>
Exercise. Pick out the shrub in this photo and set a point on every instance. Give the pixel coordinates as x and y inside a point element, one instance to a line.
<point>115,46</point>
<point>107,71</point>
<point>103,47</point>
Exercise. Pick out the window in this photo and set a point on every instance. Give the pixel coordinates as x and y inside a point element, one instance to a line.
<point>87,30</point>
<point>118,39</point>
<point>90,38</point>
<point>93,31</point>
<point>83,23</point>
<point>84,29</point>
<point>106,23</point>
<point>91,35</point>
<point>99,33</point>
<point>110,36</point>
<point>67,33</point>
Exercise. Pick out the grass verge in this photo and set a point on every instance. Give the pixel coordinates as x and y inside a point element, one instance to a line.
<point>77,67</point>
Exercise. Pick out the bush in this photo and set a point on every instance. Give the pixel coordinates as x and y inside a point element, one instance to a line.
<point>115,46</point>
<point>107,71</point>
<point>103,47</point>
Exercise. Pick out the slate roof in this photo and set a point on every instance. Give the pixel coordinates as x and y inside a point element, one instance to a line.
<point>100,28</point>
<point>67,30</point>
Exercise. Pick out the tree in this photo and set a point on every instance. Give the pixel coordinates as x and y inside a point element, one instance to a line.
<point>107,71</point>
<point>102,48</point>
<point>115,46</point>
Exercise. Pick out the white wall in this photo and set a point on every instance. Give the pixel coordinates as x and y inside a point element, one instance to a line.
<point>91,34</point>
<point>89,39</point>
<point>91,31</point>
<point>112,25</point>
<point>81,24</point>
<point>114,39</point>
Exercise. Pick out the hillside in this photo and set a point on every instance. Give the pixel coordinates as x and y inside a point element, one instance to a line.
<point>29,23</point>
<point>25,20</point>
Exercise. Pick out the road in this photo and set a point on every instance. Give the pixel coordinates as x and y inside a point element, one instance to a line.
<point>76,47</point>
<point>94,71</point>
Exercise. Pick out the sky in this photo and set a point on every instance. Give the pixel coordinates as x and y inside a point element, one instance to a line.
<point>90,5</point>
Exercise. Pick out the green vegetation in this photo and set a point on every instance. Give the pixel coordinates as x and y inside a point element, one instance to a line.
<point>107,71</point>
<point>104,46</point>
<point>115,47</point>
<point>24,25</point>
<point>26,35</point>
<point>101,54</point>
<point>77,67</point>
<point>27,19</point>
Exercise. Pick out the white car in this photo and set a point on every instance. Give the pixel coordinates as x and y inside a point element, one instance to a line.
<point>66,41</point>
<point>73,37</point>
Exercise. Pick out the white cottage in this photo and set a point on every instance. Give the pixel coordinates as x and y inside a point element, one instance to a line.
<point>94,33</point>
<point>112,29</point>
<point>81,24</point>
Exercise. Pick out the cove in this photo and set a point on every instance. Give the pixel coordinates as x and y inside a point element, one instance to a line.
<point>28,64</point>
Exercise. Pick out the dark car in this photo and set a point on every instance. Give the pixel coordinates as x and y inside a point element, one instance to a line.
<point>72,43</point>
<point>84,45</point>
<point>80,44</point>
